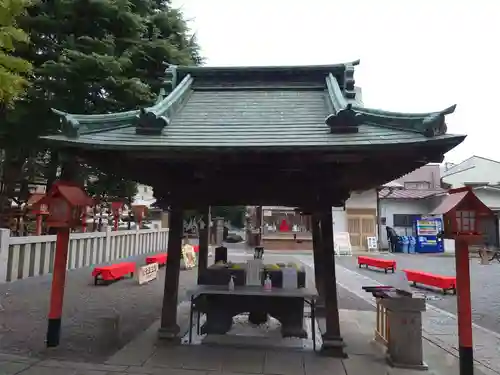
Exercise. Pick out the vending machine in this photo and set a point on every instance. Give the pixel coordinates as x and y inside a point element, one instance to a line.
<point>427,231</point>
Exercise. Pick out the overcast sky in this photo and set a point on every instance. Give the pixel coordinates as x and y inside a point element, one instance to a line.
<point>416,55</point>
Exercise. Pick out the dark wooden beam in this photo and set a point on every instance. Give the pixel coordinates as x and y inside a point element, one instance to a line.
<point>204,242</point>
<point>169,329</point>
<point>318,260</point>
<point>333,344</point>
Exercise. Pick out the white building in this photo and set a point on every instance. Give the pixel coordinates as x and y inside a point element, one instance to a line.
<point>144,196</point>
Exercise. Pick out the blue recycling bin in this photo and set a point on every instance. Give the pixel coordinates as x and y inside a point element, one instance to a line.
<point>412,244</point>
<point>399,245</point>
<point>405,244</point>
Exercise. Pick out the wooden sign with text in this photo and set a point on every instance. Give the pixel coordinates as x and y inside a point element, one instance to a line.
<point>147,273</point>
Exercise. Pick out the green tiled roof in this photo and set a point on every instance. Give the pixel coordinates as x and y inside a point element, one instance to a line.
<point>254,107</point>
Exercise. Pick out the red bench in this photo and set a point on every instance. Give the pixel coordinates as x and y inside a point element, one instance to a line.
<point>113,272</point>
<point>438,281</point>
<point>385,264</point>
<point>161,259</point>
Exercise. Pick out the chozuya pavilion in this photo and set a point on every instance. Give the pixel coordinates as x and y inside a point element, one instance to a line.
<point>294,136</point>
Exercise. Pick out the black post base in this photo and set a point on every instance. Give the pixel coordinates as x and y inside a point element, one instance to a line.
<point>466,360</point>
<point>53,333</point>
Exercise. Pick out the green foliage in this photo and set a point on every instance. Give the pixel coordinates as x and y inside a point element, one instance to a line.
<point>13,70</point>
<point>89,57</point>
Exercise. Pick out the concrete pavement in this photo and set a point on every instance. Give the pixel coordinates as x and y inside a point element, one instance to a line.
<point>439,326</point>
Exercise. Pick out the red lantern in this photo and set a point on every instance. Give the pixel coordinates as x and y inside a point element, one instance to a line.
<point>139,213</point>
<point>463,214</point>
<point>66,203</point>
<point>116,208</point>
<point>39,210</point>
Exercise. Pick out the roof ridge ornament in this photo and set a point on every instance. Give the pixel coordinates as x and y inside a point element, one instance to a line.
<point>169,83</point>
<point>349,81</point>
<point>345,121</point>
<point>149,123</point>
<point>70,126</point>
<point>434,125</point>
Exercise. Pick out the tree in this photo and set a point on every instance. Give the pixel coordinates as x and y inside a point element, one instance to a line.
<point>113,61</point>
<point>13,70</point>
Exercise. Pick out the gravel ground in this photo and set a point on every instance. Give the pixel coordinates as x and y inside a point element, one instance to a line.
<point>23,320</point>
<point>485,283</point>
<point>26,302</point>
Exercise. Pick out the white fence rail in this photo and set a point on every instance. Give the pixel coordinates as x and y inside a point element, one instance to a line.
<point>22,257</point>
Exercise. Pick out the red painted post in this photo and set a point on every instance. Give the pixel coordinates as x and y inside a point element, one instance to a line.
<point>84,222</point>
<point>38,230</point>
<point>465,348</point>
<point>57,291</point>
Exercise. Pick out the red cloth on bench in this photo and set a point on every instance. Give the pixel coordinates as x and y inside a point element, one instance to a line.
<point>377,262</point>
<point>114,271</point>
<point>157,258</point>
<point>425,278</point>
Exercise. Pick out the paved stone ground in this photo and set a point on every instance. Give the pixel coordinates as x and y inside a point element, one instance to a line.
<point>485,284</point>
<point>25,307</point>
<point>439,326</point>
<point>364,358</point>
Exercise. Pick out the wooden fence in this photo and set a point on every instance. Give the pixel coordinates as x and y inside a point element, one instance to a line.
<point>22,257</point>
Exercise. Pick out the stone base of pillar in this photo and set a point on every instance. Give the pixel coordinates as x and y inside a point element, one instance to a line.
<point>170,334</point>
<point>333,347</point>
<point>420,367</point>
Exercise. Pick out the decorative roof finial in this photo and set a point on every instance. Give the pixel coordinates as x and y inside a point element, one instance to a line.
<point>149,123</point>
<point>344,121</point>
<point>70,126</point>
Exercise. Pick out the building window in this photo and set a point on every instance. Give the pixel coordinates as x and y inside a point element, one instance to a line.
<point>418,185</point>
<point>145,189</point>
<point>404,220</point>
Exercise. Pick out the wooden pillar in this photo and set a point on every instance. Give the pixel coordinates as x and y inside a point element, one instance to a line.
<point>333,344</point>
<point>318,258</point>
<point>464,310</point>
<point>169,329</point>
<point>204,242</point>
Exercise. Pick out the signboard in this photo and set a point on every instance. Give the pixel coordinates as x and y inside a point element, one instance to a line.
<point>342,243</point>
<point>267,213</point>
<point>147,273</point>
<point>371,243</point>
<point>189,256</point>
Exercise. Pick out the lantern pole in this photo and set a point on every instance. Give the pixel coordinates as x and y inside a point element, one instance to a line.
<point>38,230</point>
<point>465,348</point>
<point>57,291</point>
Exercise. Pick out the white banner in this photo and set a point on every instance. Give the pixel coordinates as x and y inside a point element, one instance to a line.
<point>342,243</point>
<point>147,273</point>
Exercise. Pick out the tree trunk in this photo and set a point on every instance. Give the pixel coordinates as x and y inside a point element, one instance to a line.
<point>12,173</point>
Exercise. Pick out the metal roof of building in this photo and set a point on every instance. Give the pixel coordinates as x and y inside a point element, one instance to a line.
<point>255,107</point>
<point>388,193</point>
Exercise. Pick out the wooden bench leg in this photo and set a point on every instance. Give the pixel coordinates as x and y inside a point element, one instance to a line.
<point>385,270</point>
<point>95,280</point>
